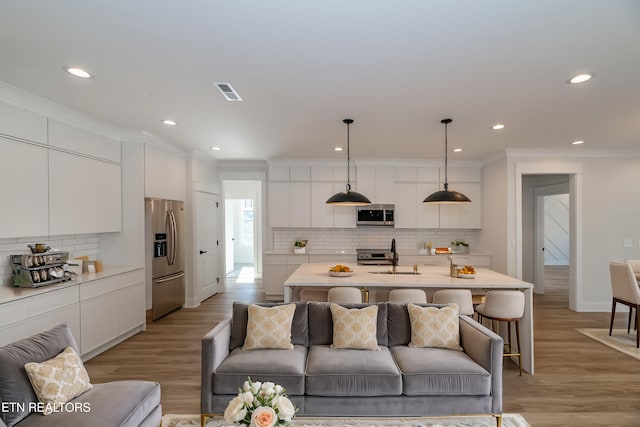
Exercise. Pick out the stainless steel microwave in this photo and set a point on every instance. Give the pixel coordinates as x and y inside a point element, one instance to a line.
<point>375,215</point>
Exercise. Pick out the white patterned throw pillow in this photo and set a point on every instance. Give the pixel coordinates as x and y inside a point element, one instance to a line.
<point>56,381</point>
<point>355,328</point>
<point>269,327</point>
<point>435,327</point>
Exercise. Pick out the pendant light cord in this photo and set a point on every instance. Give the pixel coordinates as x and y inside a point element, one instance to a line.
<point>446,153</point>
<point>348,122</point>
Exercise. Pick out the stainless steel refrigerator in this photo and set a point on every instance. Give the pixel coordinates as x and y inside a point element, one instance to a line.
<point>166,234</point>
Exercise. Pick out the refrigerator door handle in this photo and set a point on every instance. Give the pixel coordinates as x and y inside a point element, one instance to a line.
<point>168,230</point>
<point>169,278</point>
<point>174,239</point>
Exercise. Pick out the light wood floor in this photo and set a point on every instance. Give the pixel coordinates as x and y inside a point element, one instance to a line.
<point>578,382</point>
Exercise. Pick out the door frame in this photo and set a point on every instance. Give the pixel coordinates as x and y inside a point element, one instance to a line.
<point>574,170</point>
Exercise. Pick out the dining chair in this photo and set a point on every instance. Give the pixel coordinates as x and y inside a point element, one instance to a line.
<point>416,296</point>
<point>624,290</point>
<point>461,297</point>
<point>505,306</point>
<point>345,295</point>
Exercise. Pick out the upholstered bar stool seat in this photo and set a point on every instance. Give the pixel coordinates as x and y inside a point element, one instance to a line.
<point>312,294</point>
<point>505,306</point>
<point>345,295</point>
<point>461,297</point>
<point>416,296</point>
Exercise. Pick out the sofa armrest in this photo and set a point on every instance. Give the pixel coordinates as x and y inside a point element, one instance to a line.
<point>485,347</point>
<point>215,348</point>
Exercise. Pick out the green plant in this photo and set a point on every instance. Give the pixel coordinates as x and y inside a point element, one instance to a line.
<point>300,243</point>
<point>459,243</point>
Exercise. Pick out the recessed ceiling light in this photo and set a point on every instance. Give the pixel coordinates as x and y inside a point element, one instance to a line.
<point>581,78</point>
<point>497,126</point>
<point>78,72</point>
<point>216,148</point>
<point>577,142</point>
<point>457,150</point>
<point>337,149</point>
<point>169,122</point>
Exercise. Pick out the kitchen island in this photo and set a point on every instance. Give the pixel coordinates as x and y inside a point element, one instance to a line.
<point>429,278</point>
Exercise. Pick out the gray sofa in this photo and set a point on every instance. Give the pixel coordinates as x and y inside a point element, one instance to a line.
<point>321,381</point>
<point>118,403</point>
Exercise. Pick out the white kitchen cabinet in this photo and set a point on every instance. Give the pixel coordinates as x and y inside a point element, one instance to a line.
<point>77,140</point>
<point>19,123</point>
<point>463,215</point>
<point>322,214</point>
<point>300,204</point>
<point>278,206</point>
<point>130,301</point>
<point>85,195</point>
<point>376,183</point>
<point>366,177</point>
<point>276,269</point>
<point>405,214</point>
<point>428,215</point>
<point>343,216</point>
<point>24,192</point>
<point>164,174</point>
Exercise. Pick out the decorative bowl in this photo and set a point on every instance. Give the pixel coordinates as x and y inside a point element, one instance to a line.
<point>466,276</point>
<point>340,273</point>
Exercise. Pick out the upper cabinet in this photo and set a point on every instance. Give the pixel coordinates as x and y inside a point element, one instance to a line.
<point>72,138</point>
<point>19,123</point>
<point>164,174</point>
<point>24,193</point>
<point>468,181</point>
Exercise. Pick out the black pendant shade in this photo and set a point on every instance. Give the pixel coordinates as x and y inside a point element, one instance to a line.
<point>445,196</point>
<point>348,197</point>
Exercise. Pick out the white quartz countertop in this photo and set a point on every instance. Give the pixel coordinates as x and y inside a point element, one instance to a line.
<point>317,274</point>
<point>408,252</point>
<point>11,293</point>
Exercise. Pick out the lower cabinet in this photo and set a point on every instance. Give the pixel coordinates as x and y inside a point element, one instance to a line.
<point>275,271</point>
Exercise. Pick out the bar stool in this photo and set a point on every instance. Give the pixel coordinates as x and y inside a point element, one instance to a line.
<point>504,306</point>
<point>461,297</point>
<point>416,296</point>
<point>345,295</point>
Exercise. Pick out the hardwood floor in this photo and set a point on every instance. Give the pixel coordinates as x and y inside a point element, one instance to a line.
<point>578,382</point>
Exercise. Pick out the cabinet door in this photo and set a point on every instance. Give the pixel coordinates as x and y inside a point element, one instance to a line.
<point>98,320</point>
<point>405,214</point>
<point>385,179</point>
<point>24,124</point>
<point>130,311</point>
<point>428,214</point>
<point>463,215</point>
<point>366,176</point>
<point>24,191</point>
<point>274,276</point>
<point>85,195</point>
<point>300,204</point>
<point>176,178</point>
<point>321,213</point>
<point>78,140</point>
<point>279,204</point>
<point>155,174</point>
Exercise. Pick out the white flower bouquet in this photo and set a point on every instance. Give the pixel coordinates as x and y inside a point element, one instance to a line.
<point>260,405</point>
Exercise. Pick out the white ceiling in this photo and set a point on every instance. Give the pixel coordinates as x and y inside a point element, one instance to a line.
<point>395,67</point>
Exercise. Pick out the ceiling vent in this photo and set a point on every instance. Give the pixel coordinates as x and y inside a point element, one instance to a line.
<point>228,92</point>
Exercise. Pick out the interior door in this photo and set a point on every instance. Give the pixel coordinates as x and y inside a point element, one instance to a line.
<point>207,236</point>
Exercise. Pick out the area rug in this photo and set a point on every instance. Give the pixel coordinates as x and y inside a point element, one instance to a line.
<point>619,340</point>
<point>508,420</point>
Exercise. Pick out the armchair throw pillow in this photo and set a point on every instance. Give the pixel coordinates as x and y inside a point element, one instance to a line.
<point>269,327</point>
<point>434,326</point>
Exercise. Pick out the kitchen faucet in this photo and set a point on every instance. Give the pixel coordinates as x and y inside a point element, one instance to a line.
<point>394,259</point>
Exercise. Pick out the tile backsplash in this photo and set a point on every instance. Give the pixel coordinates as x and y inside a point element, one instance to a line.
<point>338,239</point>
<point>75,244</point>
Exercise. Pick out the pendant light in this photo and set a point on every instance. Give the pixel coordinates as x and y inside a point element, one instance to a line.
<point>445,196</point>
<point>348,197</point>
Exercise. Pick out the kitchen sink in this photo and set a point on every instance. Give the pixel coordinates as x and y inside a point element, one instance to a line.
<point>397,272</point>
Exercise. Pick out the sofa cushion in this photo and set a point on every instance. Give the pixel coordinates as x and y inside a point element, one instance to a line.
<point>58,380</point>
<point>14,383</point>
<point>435,326</point>
<point>354,328</point>
<point>439,371</point>
<point>240,318</point>
<point>348,372</point>
<point>284,367</point>
<point>321,322</point>
<point>269,327</point>
<point>117,403</point>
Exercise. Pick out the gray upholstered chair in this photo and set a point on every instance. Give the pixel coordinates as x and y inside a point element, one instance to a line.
<point>345,295</point>
<point>461,297</point>
<point>624,290</point>
<point>505,306</point>
<point>416,296</point>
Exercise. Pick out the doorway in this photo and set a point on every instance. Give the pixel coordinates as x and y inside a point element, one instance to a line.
<point>243,231</point>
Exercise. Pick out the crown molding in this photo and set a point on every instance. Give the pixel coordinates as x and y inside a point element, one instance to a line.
<point>577,153</point>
